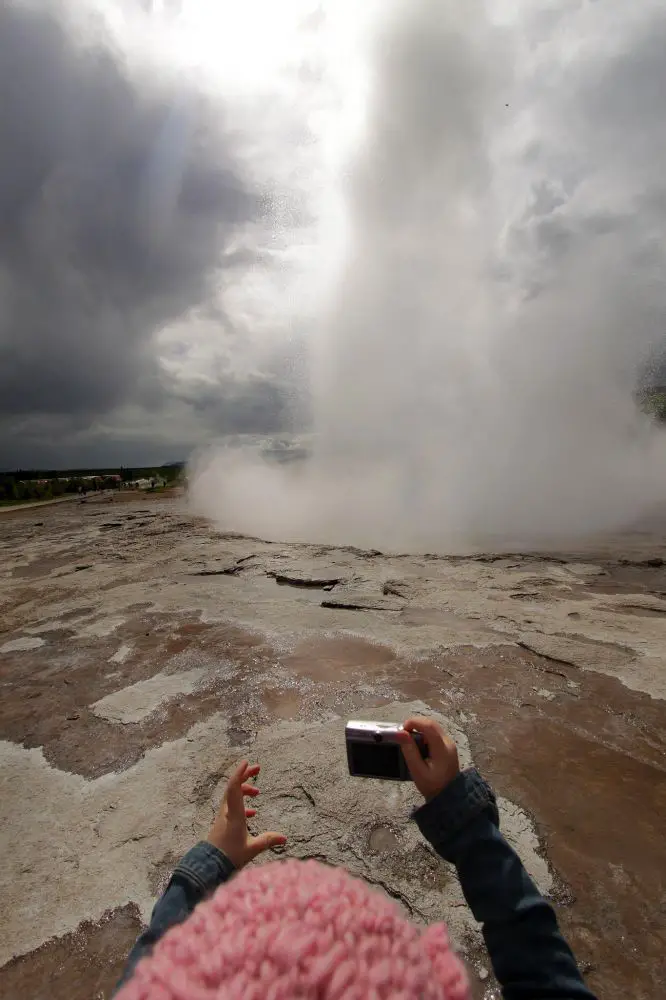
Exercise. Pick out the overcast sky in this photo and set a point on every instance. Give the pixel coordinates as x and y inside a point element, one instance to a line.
<point>167,214</point>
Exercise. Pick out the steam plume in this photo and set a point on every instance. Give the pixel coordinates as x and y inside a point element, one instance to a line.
<point>475,373</point>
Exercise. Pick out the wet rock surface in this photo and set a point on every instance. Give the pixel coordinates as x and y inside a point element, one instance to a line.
<point>142,652</point>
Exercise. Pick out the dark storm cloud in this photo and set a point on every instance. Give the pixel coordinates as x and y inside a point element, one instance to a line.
<point>118,197</point>
<point>252,406</point>
<point>55,442</point>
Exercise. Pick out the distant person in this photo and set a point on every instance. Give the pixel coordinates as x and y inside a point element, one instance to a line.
<point>300,929</point>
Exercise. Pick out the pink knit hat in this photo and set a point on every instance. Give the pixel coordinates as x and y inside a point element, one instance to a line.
<point>299,930</point>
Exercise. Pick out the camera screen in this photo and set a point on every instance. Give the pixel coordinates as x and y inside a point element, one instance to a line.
<point>375,760</point>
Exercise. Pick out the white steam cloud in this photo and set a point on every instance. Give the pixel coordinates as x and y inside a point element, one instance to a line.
<point>500,288</point>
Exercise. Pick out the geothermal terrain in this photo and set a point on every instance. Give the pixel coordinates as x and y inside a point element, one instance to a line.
<point>142,653</point>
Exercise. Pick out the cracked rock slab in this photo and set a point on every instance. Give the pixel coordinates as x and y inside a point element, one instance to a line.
<point>219,568</point>
<point>298,578</point>
<point>136,702</point>
<point>140,816</point>
<point>362,602</point>
<point>22,645</point>
<point>364,824</point>
<point>639,671</point>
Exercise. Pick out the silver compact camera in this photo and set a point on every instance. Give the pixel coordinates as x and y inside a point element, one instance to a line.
<point>373,750</point>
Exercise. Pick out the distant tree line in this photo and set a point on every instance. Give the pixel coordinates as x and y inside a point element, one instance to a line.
<point>26,485</point>
<point>653,401</point>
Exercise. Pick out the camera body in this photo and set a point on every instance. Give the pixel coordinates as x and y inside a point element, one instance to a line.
<point>373,750</point>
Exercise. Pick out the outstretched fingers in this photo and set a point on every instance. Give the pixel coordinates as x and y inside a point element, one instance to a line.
<point>428,729</point>
<point>242,774</point>
<point>265,841</point>
<point>237,776</point>
<point>415,762</point>
<point>233,793</point>
<point>238,785</point>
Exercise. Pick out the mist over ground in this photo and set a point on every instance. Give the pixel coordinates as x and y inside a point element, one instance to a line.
<point>495,296</point>
<point>426,239</point>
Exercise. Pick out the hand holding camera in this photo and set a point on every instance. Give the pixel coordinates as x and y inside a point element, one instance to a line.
<point>438,769</point>
<point>419,750</point>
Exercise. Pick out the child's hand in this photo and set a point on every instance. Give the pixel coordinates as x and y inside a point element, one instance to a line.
<point>229,832</point>
<point>434,774</point>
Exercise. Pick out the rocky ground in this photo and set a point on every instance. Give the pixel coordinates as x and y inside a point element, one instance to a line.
<point>142,653</point>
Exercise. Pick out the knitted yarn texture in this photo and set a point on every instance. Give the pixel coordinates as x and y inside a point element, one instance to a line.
<point>299,930</point>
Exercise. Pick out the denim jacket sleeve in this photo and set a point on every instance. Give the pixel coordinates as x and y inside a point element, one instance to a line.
<point>531,959</point>
<point>195,876</point>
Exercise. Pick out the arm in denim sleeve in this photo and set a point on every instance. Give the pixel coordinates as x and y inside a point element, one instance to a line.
<point>530,957</point>
<point>195,876</point>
